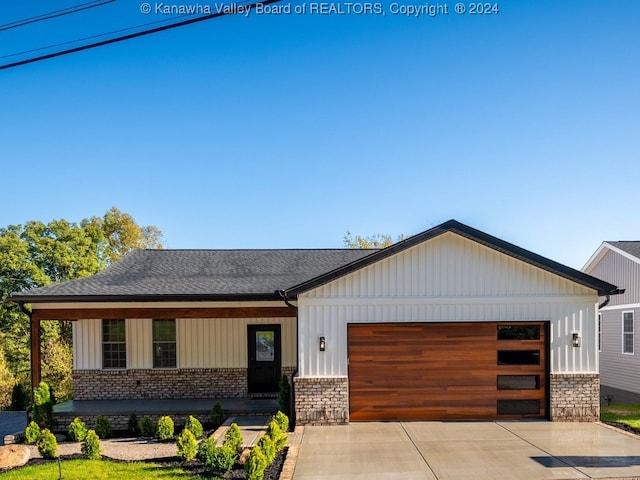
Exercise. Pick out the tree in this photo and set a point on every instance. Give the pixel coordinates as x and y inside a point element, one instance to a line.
<point>37,254</point>
<point>373,241</point>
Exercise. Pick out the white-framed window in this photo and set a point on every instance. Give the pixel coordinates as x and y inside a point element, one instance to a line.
<point>164,343</point>
<point>114,344</point>
<point>627,333</point>
<point>599,332</point>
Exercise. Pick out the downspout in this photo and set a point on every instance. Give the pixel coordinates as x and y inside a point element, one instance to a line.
<point>605,303</point>
<point>285,299</point>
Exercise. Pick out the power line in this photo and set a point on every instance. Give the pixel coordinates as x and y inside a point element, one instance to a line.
<point>222,12</point>
<point>55,14</point>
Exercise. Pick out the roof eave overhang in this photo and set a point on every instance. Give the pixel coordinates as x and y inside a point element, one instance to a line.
<point>250,297</point>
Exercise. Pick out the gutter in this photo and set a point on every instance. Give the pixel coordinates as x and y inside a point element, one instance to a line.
<point>607,299</point>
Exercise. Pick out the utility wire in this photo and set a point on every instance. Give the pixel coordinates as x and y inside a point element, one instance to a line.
<point>130,36</point>
<point>55,14</point>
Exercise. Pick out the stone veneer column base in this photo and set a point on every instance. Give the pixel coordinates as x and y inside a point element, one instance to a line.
<point>321,401</point>
<point>575,397</point>
<point>155,384</point>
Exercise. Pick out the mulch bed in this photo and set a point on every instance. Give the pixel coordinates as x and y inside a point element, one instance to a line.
<point>624,426</point>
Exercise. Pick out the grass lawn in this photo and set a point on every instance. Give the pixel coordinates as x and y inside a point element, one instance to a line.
<point>627,414</point>
<point>97,470</point>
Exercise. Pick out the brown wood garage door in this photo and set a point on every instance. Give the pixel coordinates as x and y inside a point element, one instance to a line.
<point>428,371</point>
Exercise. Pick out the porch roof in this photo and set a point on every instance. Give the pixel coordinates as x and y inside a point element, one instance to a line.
<point>198,275</point>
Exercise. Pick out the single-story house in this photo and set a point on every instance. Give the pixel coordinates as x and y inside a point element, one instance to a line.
<point>451,323</point>
<point>618,345</point>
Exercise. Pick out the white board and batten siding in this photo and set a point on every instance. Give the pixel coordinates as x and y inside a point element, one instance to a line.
<point>447,279</point>
<point>201,342</point>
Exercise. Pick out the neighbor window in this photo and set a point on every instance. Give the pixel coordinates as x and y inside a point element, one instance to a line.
<point>599,332</point>
<point>114,344</point>
<point>627,332</point>
<point>164,343</point>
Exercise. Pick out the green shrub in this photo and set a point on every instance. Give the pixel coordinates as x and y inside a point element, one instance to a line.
<point>43,406</point>
<point>282,420</point>
<point>216,459</point>
<point>277,435</point>
<point>32,433</point>
<point>187,445</point>
<point>90,447</point>
<point>103,427</point>
<point>193,424</point>
<point>165,428</point>
<point>268,448</point>
<point>77,430</point>
<point>284,395</point>
<point>47,444</point>
<point>255,465</point>
<point>133,426</point>
<point>217,416</point>
<point>233,438</point>
<point>147,428</point>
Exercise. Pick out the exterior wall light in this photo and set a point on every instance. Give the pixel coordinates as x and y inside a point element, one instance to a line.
<point>323,344</point>
<point>575,339</point>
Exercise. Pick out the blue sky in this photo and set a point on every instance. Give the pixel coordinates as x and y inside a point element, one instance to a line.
<point>279,131</point>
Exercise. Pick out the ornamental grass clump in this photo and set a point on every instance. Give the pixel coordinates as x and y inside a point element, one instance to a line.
<point>165,428</point>
<point>47,444</point>
<point>187,445</point>
<point>193,424</point>
<point>77,430</point>
<point>90,447</point>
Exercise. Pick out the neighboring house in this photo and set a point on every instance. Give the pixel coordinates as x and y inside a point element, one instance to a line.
<point>619,321</point>
<point>450,323</point>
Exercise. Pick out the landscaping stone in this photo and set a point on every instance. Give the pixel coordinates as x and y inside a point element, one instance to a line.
<point>13,456</point>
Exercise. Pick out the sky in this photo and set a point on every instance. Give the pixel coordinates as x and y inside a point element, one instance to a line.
<point>286,130</point>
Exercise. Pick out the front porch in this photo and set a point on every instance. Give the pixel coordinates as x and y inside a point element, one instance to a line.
<point>119,411</point>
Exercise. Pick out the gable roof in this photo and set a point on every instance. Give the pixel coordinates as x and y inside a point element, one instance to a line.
<point>603,288</point>
<point>628,249</point>
<point>228,275</point>
<point>203,275</point>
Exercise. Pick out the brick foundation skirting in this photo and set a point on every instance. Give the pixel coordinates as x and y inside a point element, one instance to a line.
<point>141,384</point>
<point>575,397</point>
<point>321,401</point>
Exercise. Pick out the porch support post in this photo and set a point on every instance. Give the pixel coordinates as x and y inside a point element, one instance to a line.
<point>36,362</point>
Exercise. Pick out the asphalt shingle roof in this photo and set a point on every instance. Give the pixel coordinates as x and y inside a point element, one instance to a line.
<point>205,274</point>
<point>631,247</point>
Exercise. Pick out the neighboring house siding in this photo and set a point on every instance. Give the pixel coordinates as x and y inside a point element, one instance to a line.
<point>447,279</point>
<point>619,370</point>
<point>621,271</point>
<point>201,343</point>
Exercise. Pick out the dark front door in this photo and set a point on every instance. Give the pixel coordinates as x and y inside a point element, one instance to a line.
<point>264,358</point>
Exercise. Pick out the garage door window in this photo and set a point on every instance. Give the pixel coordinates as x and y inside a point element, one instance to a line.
<point>518,382</point>
<point>518,357</point>
<point>518,407</point>
<point>518,332</point>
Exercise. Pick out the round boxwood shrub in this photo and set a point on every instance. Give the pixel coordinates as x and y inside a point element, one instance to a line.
<point>77,430</point>
<point>90,447</point>
<point>32,433</point>
<point>103,427</point>
<point>47,444</point>
<point>194,425</point>
<point>165,428</point>
<point>187,445</point>
<point>268,448</point>
<point>277,435</point>
<point>147,428</point>
<point>282,420</point>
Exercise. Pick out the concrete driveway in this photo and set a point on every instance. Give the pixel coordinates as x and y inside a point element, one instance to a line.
<point>467,450</point>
